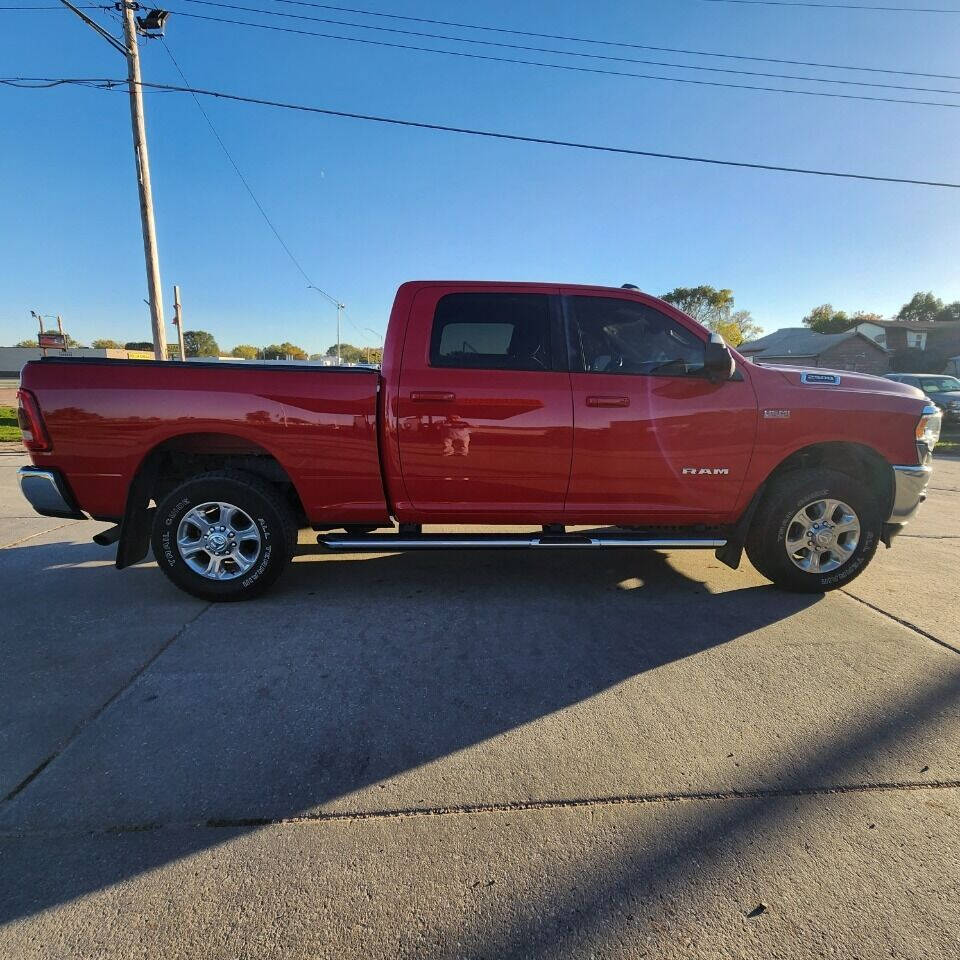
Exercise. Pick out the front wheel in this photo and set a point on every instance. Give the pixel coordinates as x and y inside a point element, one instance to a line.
<point>814,530</point>
<point>224,535</point>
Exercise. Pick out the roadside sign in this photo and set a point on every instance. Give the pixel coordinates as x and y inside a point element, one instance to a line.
<point>52,341</point>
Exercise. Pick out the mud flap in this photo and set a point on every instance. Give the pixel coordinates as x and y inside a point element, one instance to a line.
<point>732,551</point>
<point>137,520</point>
<point>889,531</point>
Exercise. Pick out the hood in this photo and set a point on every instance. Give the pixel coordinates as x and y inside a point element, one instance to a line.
<point>849,381</point>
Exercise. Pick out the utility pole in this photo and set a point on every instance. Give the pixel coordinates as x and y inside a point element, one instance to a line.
<point>339,309</point>
<point>178,320</point>
<point>39,317</point>
<point>340,306</point>
<point>143,181</point>
<point>130,49</point>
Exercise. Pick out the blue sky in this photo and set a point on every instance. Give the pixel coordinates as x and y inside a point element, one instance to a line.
<point>365,206</point>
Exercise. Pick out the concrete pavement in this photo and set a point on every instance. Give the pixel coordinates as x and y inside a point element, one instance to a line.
<point>547,755</point>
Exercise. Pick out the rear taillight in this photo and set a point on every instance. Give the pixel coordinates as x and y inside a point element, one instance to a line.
<point>35,436</point>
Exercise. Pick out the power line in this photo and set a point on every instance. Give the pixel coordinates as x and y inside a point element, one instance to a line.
<point>835,6</point>
<point>243,179</point>
<point>612,43</point>
<point>594,40</point>
<point>569,67</point>
<point>573,53</point>
<point>497,135</point>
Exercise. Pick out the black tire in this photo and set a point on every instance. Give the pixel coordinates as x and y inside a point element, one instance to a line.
<point>271,517</point>
<point>786,496</point>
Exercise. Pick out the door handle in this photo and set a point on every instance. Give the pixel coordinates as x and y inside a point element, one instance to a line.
<point>608,401</point>
<point>434,396</point>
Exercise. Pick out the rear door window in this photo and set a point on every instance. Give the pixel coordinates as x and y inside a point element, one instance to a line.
<point>492,331</point>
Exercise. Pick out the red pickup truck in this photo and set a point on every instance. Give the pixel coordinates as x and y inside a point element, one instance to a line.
<point>506,404</point>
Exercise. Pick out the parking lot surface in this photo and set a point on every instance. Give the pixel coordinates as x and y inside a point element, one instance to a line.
<point>612,754</point>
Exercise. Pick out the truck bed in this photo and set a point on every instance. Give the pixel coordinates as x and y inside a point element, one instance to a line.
<point>105,417</point>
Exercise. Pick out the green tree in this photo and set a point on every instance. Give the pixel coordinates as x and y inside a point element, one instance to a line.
<point>714,309</point>
<point>285,350</point>
<point>738,327</point>
<point>27,343</point>
<point>199,343</point>
<point>950,312</point>
<point>351,354</point>
<point>922,306</point>
<point>106,345</point>
<point>824,319</point>
<point>348,353</point>
<point>244,352</point>
<point>705,304</point>
<point>138,345</point>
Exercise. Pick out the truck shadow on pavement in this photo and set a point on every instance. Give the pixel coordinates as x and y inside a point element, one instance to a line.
<point>334,694</point>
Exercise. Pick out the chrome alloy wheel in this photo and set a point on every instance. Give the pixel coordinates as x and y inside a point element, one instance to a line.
<point>218,540</point>
<point>822,536</point>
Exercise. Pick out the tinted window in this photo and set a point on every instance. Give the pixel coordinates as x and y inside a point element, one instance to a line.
<point>498,331</point>
<point>623,336</point>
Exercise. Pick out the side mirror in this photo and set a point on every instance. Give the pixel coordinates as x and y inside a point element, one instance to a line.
<point>718,362</point>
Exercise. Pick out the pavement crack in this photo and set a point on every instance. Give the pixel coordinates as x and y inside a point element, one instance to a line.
<point>40,533</point>
<point>519,806</point>
<point>903,623</point>
<point>930,536</point>
<point>83,724</point>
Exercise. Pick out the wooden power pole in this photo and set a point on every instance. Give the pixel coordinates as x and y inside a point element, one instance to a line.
<point>143,181</point>
<point>178,320</point>
<point>130,49</point>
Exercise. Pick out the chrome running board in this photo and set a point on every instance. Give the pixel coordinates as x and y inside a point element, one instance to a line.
<point>496,541</point>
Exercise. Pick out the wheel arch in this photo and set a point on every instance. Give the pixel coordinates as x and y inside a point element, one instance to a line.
<point>176,459</point>
<point>859,461</point>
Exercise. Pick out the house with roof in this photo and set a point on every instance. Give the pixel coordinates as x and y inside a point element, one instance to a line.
<point>938,342</point>
<point>803,347</point>
<point>898,334</point>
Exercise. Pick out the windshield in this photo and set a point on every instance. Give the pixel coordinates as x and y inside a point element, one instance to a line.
<point>939,384</point>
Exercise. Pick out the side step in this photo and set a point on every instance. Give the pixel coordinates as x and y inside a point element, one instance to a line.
<point>499,541</point>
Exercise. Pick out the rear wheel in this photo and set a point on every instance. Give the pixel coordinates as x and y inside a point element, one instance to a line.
<point>224,535</point>
<point>815,530</point>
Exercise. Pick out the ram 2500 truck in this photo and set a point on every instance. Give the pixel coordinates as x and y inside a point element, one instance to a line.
<point>504,404</point>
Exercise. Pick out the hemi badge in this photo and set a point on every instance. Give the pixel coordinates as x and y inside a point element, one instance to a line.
<point>776,414</point>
